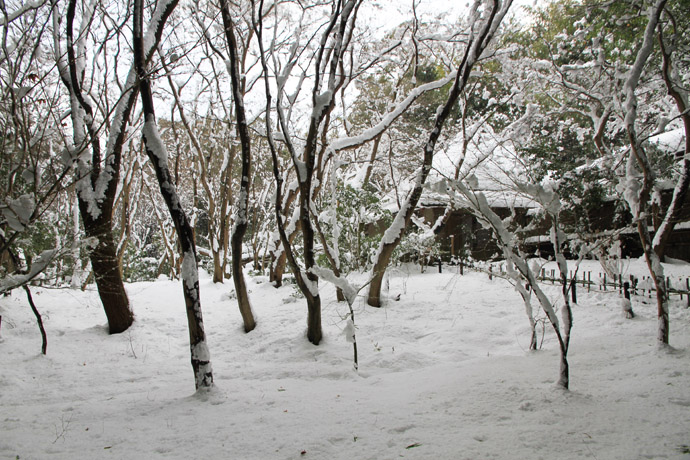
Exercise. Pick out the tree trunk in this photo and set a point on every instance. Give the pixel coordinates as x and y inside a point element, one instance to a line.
<point>241,217</point>
<point>680,191</point>
<point>564,337</point>
<point>155,149</point>
<point>370,163</point>
<point>106,271</point>
<point>39,320</point>
<point>394,233</point>
<point>104,261</point>
<point>340,296</point>
<point>217,267</point>
<point>564,376</point>
<point>656,270</point>
<point>314,331</point>
<point>638,156</point>
<point>379,271</point>
<point>278,270</point>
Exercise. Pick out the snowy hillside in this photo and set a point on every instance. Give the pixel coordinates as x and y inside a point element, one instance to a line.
<point>444,374</point>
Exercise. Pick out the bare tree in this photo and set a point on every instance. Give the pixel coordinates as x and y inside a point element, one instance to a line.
<point>330,74</point>
<point>519,270</point>
<point>97,173</point>
<point>668,44</point>
<point>482,29</point>
<point>637,193</point>
<point>157,153</point>
<point>241,216</point>
<point>33,179</point>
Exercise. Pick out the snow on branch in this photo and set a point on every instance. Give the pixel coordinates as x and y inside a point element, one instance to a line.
<point>640,61</point>
<point>371,133</point>
<point>25,8</point>
<point>39,265</point>
<point>349,291</point>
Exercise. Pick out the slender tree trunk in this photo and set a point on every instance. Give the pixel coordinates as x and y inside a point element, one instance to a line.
<point>564,337</point>
<point>331,260</point>
<point>39,320</point>
<point>241,217</point>
<point>279,264</point>
<point>657,272</point>
<point>13,261</point>
<point>680,191</point>
<point>393,235</point>
<point>638,197</point>
<point>372,159</point>
<point>525,294</point>
<point>155,149</point>
<point>564,376</point>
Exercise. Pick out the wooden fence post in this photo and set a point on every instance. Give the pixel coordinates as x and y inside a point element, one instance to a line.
<point>589,281</point>
<point>573,292</point>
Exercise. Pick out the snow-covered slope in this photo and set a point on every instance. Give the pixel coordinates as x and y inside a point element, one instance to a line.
<point>444,374</point>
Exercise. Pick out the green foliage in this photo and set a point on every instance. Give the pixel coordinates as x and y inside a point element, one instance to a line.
<point>360,218</point>
<point>141,264</point>
<point>557,146</point>
<point>564,31</point>
<point>417,245</point>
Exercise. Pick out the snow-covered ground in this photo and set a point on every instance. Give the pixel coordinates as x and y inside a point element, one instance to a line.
<point>444,374</point>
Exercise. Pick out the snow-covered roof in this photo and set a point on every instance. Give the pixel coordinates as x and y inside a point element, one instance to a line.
<point>671,141</point>
<point>496,199</point>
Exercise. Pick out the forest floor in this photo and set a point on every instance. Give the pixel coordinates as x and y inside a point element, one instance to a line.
<point>444,373</point>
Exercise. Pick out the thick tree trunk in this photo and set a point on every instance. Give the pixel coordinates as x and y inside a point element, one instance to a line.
<point>217,267</point>
<point>241,291</point>
<point>314,330</point>
<point>379,271</point>
<point>106,271</point>
<point>97,214</point>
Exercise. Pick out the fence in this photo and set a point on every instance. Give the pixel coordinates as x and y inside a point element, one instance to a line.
<point>674,286</point>
<point>609,283</point>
